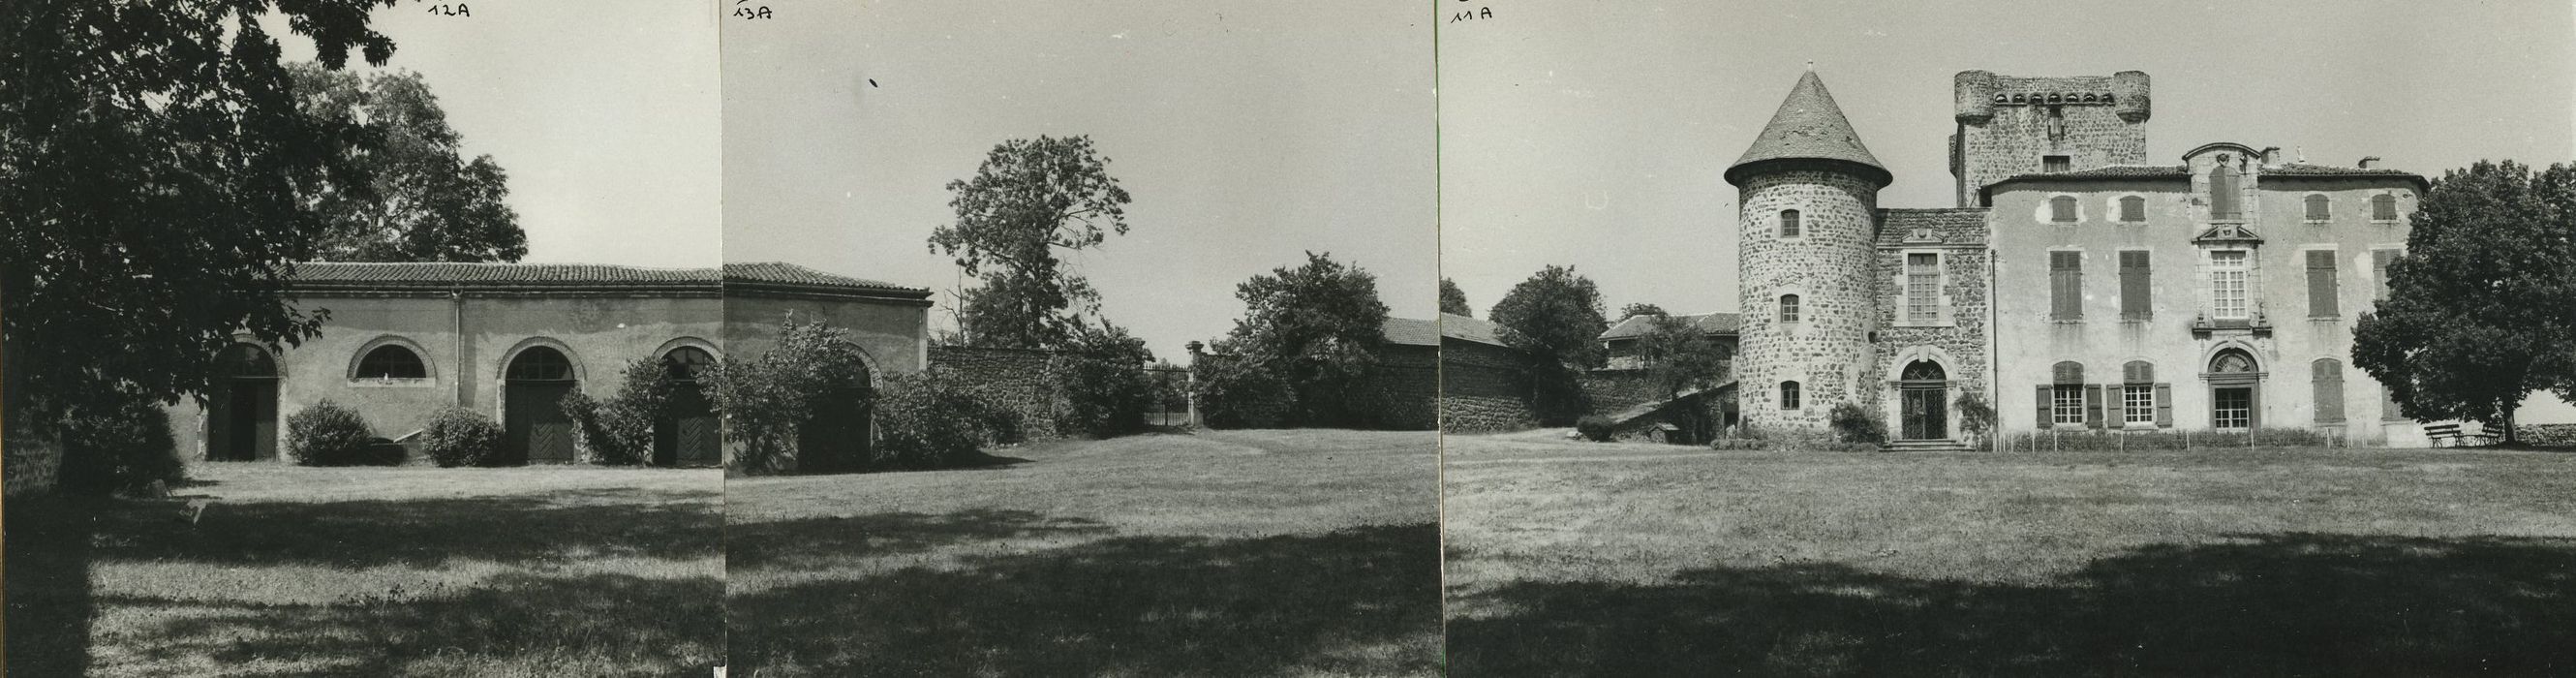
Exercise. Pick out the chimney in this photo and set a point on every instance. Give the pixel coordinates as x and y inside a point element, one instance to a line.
<point>2368,161</point>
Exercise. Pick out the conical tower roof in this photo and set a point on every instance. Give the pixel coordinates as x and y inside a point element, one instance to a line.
<point>1808,126</point>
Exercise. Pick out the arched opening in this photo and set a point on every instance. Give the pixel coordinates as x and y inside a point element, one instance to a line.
<point>2235,391</point>
<point>842,428</point>
<point>391,361</point>
<point>688,432</point>
<point>241,410</point>
<point>1924,390</point>
<point>534,427</point>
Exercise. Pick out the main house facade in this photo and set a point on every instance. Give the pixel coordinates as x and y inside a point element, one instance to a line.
<point>404,340</point>
<point>2077,285</point>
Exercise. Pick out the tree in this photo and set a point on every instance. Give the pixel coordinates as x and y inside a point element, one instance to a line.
<point>154,165</point>
<point>1556,315</point>
<point>1102,376</point>
<point>2478,313</point>
<point>765,400</point>
<point>1453,301</point>
<point>1679,355</point>
<point>1030,199</point>
<point>1315,328</point>
<point>1640,308</point>
<point>422,200</point>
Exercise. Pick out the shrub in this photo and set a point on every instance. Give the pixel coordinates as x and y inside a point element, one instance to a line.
<point>2097,440</point>
<point>1235,392</point>
<point>461,437</point>
<point>1851,424</point>
<point>928,420</point>
<point>1976,417</point>
<point>1594,427</point>
<point>327,434</point>
<point>119,451</point>
<point>598,440</point>
<point>765,399</point>
<point>1102,376</point>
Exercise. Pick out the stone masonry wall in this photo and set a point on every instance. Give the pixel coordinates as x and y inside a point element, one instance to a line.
<point>1831,266</point>
<point>2011,138</point>
<point>1015,379</point>
<point>1408,387</point>
<point>1483,388</point>
<point>1957,340</point>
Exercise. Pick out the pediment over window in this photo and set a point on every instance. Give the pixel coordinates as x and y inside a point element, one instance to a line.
<point>2228,234</point>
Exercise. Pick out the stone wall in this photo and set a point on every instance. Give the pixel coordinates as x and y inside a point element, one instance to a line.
<point>1015,379</point>
<point>1956,339</point>
<point>1607,391</point>
<point>2000,140</point>
<point>1831,267</point>
<point>1407,384</point>
<point>1483,388</point>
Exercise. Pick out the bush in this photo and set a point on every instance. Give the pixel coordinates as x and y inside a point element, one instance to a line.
<point>766,399</point>
<point>1976,418</point>
<point>461,437</point>
<point>929,420</point>
<point>1102,376</point>
<point>124,450</point>
<point>327,434</point>
<point>2097,440</point>
<point>1853,425</point>
<point>1594,427</point>
<point>1238,393</point>
<point>599,441</point>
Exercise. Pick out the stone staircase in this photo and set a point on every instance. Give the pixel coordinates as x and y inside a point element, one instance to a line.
<point>1923,446</point>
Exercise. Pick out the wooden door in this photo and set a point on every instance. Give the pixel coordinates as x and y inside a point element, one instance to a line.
<point>535,428</point>
<point>689,435</point>
<point>1925,415</point>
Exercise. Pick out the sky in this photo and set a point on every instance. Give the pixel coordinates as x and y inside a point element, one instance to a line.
<point>1593,134</point>
<point>1248,134</point>
<point>603,113</point>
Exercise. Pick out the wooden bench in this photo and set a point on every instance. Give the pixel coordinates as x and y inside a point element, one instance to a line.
<point>2440,433</point>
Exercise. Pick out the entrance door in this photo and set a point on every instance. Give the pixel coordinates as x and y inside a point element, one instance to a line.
<point>241,420</point>
<point>688,432</point>
<point>1924,412</point>
<point>534,428</point>
<point>837,437</point>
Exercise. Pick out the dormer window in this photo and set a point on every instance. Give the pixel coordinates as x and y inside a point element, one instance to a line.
<point>1789,226</point>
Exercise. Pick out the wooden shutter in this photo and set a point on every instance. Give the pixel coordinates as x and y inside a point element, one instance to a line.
<point>2383,207</point>
<point>2317,209</point>
<point>2046,393</point>
<point>2253,406</point>
<point>2061,209</point>
<point>2379,260</point>
<point>2134,294</point>
<point>2093,405</point>
<point>2321,285</point>
<point>2133,208</point>
<point>2326,378</point>
<point>2222,195</point>
<point>2065,285</point>
<point>2164,406</point>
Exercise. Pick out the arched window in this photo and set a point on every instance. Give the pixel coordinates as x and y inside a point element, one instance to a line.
<point>2061,209</point>
<point>1789,395</point>
<point>2233,380</point>
<point>1789,226</point>
<point>2133,209</point>
<point>2223,200</point>
<point>245,360</point>
<point>1923,370</point>
<point>2319,207</point>
<point>687,362</point>
<point>2231,361</point>
<point>392,361</point>
<point>2326,378</point>
<point>1789,308</point>
<point>540,363</point>
<point>2383,207</point>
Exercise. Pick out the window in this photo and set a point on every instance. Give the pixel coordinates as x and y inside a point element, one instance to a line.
<point>2066,285</point>
<point>2318,207</point>
<point>2321,285</point>
<point>2227,271</point>
<point>2133,209</point>
<point>2222,193</point>
<point>2234,409</point>
<point>1789,395</point>
<point>2066,393</point>
<point>2326,377</point>
<point>685,364</point>
<point>392,361</point>
<point>2135,296</point>
<point>2383,207</point>
<point>2138,393</point>
<point>1788,308</point>
<point>2061,209</point>
<point>540,363</point>
<point>2055,163</point>
<point>1922,287</point>
<point>1789,224</point>
<point>2379,260</point>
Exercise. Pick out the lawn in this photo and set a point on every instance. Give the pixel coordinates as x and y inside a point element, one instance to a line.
<point>374,572</point>
<point>1568,558</point>
<point>1225,553</point>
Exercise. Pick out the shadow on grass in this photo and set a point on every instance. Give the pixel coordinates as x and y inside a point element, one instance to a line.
<point>420,532</point>
<point>47,542</point>
<point>1361,601</point>
<point>822,542</point>
<point>2294,604</point>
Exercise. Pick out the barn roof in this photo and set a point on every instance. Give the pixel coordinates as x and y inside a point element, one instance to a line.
<point>529,277</point>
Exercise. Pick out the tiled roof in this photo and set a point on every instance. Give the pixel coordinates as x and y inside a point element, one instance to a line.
<point>2300,169</point>
<point>1411,332</point>
<point>447,275</point>
<point>2106,172</point>
<point>1453,326</point>
<point>1952,225</point>
<point>1638,325</point>
<point>1808,126</point>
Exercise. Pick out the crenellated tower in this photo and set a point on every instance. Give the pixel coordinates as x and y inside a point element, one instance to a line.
<point>2012,126</point>
<point>1807,224</point>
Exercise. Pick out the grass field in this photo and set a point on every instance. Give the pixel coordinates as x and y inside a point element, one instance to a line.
<point>1224,553</point>
<point>374,572</point>
<point>1572,558</point>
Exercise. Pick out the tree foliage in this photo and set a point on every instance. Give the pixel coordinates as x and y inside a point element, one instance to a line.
<point>1102,375</point>
<point>931,419</point>
<point>2479,311</point>
<point>1315,328</point>
<point>1554,315</point>
<point>154,163</point>
<point>1453,301</point>
<point>765,399</point>
<point>1680,356</point>
<point>1640,308</point>
<point>422,200</point>
<point>1028,201</point>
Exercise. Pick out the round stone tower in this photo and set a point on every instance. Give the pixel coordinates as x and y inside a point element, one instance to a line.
<point>1807,228</point>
